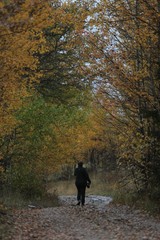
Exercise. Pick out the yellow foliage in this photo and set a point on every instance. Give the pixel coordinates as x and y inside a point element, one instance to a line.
<point>21,27</point>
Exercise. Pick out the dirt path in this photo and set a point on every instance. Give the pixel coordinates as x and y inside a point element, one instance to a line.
<point>98,220</point>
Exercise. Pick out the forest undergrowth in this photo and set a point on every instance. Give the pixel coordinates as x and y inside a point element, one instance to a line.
<point>102,185</point>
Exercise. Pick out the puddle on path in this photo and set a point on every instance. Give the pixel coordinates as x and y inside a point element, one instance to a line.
<point>95,200</point>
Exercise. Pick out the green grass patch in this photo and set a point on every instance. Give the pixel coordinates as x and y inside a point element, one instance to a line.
<point>17,200</point>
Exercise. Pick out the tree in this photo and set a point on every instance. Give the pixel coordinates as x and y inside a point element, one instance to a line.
<point>47,121</point>
<point>122,43</point>
<point>62,79</point>
<point>21,24</point>
<point>21,37</point>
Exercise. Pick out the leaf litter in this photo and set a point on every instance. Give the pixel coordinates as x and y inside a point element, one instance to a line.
<point>99,219</point>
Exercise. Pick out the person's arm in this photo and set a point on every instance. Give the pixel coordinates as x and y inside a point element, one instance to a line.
<point>89,180</point>
<point>87,177</point>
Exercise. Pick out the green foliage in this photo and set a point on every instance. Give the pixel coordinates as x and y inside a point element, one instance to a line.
<point>23,180</point>
<point>62,79</point>
<point>14,199</point>
<point>40,142</point>
<point>35,129</point>
<point>48,119</point>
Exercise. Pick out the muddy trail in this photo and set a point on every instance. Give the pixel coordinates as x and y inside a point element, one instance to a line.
<point>99,219</point>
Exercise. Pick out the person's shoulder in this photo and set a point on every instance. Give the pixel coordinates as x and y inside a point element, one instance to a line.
<point>84,169</point>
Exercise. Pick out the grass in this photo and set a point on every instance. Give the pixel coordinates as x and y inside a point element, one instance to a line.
<point>107,184</point>
<point>100,186</point>
<point>104,184</point>
<point>16,200</point>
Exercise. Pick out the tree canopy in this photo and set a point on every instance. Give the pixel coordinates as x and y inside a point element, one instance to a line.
<point>78,76</point>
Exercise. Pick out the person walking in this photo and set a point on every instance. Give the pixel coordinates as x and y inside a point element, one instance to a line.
<point>82,181</point>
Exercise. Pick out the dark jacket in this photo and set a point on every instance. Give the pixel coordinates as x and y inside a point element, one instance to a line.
<point>82,176</point>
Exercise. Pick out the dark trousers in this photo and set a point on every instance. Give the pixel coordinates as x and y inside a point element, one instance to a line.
<point>81,189</point>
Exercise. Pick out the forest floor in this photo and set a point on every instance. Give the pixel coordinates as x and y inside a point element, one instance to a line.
<point>99,219</point>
